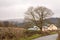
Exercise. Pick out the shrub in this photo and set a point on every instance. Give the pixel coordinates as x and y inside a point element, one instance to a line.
<point>11,33</point>
<point>58,38</point>
<point>31,32</point>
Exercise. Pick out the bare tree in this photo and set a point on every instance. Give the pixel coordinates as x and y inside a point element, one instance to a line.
<point>38,14</point>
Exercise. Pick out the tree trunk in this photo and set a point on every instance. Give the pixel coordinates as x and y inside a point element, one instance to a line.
<point>41,21</point>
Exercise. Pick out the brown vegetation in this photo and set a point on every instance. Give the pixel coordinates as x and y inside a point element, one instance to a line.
<point>58,38</point>
<point>11,33</point>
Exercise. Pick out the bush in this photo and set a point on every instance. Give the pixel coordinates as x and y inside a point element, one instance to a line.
<point>58,38</point>
<point>31,32</point>
<point>11,33</point>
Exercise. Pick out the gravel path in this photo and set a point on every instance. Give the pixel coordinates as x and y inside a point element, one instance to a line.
<point>49,37</point>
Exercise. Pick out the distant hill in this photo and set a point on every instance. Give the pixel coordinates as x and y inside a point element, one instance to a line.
<point>14,22</point>
<point>20,22</point>
<point>52,21</point>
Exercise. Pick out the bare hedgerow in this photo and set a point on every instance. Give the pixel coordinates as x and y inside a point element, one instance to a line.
<point>11,33</point>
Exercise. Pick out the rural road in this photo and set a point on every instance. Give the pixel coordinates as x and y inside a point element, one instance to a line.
<point>49,37</point>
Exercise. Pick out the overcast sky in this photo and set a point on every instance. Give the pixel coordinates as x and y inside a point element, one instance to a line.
<point>12,9</point>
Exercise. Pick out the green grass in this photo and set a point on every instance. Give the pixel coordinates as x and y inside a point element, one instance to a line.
<point>53,33</point>
<point>36,36</point>
<point>31,37</point>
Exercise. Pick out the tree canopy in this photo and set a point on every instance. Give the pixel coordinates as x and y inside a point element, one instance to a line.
<point>38,14</point>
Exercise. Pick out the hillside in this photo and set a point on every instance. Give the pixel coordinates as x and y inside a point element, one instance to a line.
<point>20,22</point>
